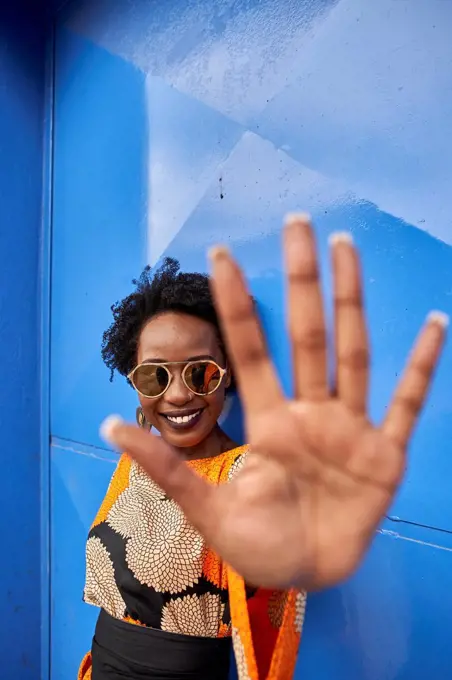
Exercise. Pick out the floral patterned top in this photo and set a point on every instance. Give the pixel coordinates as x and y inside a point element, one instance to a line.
<point>147,565</point>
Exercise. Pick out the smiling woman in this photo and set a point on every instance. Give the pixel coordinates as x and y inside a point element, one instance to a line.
<point>169,606</point>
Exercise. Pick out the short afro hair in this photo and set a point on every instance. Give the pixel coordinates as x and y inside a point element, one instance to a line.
<point>166,289</point>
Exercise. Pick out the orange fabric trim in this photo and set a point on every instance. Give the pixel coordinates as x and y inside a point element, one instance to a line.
<point>216,470</point>
<point>286,648</point>
<point>262,650</point>
<point>224,630</point>
<point>213,570</point>
<point>128,619</point>
<point>242,637</point>
<point>118,483</point>
<point>84,672</point>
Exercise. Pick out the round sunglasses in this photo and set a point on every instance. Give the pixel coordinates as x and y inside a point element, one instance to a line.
<point>202,377</point>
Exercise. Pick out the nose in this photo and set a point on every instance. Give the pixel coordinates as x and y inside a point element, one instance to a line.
<point>178,393</point>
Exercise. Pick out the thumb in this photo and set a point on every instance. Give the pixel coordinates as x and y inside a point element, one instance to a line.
<point>196,497</point>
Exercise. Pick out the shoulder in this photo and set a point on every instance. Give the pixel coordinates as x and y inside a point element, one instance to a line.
<point>121,474</point>
<point>118,483</point>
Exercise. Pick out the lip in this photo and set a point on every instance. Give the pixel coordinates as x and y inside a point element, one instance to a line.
<point>181,412</point>
<point>182,426</point>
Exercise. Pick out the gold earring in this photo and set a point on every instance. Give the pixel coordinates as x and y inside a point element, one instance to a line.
<point>141,420</point>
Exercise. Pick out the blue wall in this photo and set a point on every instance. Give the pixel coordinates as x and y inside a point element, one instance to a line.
<point>22,64</point>
<point>178,125</point>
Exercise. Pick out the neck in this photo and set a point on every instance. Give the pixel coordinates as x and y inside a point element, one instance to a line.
<point>217,442</point>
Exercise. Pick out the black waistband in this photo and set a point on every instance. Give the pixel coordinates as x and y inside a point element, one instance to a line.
<point>124,650</point>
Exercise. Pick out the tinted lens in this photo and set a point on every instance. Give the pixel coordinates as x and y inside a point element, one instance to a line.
<point>202,377</point>
<point>151,379</point>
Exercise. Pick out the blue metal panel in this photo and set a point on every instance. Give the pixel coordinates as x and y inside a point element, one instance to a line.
<point>21,123</point>
<point>183,124</point>
<point>45,268</point>
<point>79,479</point>
<point>99,241</point>
<point>391,622</point>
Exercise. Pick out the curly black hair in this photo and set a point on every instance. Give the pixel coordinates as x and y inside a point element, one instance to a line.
<point>166,289</point>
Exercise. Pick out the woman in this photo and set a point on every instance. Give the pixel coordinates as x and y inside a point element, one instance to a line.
<point>302,510</point>
<point>169,605</point>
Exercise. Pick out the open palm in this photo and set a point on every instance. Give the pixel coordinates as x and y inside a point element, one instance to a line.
<point>319,476</point>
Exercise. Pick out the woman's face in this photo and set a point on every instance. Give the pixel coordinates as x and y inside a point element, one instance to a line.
<point>180,337</point>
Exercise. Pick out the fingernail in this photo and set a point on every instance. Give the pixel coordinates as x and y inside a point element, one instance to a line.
<point>340,237</point>
<point>218,252</point>
<point>107,428</point>
<point>440,318</point>
<point>296,218</point>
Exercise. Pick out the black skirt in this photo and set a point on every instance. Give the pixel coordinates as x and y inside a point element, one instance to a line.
<point>123,650</point>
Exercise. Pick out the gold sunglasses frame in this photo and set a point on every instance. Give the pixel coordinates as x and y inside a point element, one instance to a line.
<point>165,365</point>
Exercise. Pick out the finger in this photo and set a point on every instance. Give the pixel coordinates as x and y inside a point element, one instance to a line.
<point>253,370</point>
<point>196,497</point>
<point>351,340</point>
<point>412,389</point>
<point>305,310</point>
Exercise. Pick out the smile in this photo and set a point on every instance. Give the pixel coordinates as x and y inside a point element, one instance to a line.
<point>183,419</point>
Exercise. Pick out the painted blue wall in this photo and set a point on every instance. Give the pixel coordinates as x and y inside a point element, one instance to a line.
<point>178,125</point>
<point>22,63</point>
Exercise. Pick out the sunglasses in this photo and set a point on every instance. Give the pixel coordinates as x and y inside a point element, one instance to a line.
<point>202,377</point>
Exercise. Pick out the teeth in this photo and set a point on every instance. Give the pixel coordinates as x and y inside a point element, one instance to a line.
<point>183,419</point>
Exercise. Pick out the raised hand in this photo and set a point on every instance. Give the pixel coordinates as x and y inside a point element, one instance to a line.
<point>320,475</point>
